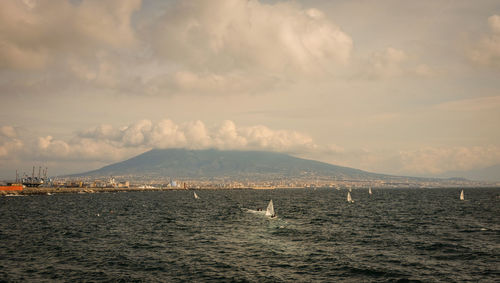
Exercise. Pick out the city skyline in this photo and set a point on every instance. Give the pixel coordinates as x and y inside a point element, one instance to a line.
<point>394,87</point>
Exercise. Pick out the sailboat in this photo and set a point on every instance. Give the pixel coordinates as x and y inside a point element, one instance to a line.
<point>370,190</point>
<point>270,209</point>
<point>349,199</point>
<point>195,195</point>
<point>462,195</point>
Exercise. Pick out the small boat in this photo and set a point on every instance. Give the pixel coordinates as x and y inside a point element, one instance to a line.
<point>462,195</point>
<point>195,195</point>
<point>349,199</point>
<point>270,209</point>
<point>370,190</point>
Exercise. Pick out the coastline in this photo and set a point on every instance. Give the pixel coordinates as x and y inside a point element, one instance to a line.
<point>78,190</point>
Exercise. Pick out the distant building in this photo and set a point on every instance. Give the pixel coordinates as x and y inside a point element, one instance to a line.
<point>125,184</point>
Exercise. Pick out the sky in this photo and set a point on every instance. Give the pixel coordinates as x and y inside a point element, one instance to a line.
<point>397,87</point>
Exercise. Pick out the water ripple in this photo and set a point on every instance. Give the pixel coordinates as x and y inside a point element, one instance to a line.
<point>406,235</point>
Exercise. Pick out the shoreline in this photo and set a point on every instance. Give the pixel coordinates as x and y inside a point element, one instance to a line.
<point>78,190</point>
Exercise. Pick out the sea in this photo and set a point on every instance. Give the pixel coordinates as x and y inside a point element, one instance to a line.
<point>393,235</point>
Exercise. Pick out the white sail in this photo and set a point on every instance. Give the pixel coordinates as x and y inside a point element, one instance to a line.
<point>462,195</point>
<point>349,199</point>
<point>370,190</point>
<point>270,209</point>
<point>195,195</point>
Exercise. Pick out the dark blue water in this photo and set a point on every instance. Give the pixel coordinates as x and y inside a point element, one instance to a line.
<point>396,234</point>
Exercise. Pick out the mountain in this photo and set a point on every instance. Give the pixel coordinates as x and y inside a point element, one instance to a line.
<point>217,163</point>
<point>489,174</point>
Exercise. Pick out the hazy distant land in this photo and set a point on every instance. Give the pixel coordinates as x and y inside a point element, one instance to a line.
<point>208,168</point>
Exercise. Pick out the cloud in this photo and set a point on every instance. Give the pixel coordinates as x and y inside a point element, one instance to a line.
<point>82,149</point>
<point>288,141</point>
<point>62,46</point>
<point>197,46</point>
<point>105,143</point>
<point>195,135</point>
<point>424,70</point>
<point>494,22</point>
<point>36,33</point>
<point>8,132</point>
<point>471,104</point>
<point>10,144</point>
<point>101,132</point>
<point>390,63</point>
<point>234,46</point>
<point>486,52</point>
<point>243,36</point>
<point>424,161</point>
<point>186,81</point>
<point>436,160</point>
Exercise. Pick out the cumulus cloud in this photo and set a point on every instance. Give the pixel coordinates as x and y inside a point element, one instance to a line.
<point>237,46</point>
<point>281,140</point>
<point>486,52</point>
<point>243,36</point>
<point>196,135</point>
<point>8,132</point>
<point>105,143</point>
<point>195,47</point>
<point>82,149</point>
<point>102,131</point>
<point>10,144</point>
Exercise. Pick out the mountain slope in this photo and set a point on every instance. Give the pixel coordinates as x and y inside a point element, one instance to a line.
<point>491,174</point>
<point>212,163</point>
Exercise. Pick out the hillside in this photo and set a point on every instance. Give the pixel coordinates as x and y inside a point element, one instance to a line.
<point>491,174</point>
<point>217,163</point>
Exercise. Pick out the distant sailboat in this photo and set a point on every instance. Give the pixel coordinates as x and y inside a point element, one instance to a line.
<point>270,209</point>
<point>195,195</point>
<point>462,195</point>
<point>349,199</point>
<point>370,190</point>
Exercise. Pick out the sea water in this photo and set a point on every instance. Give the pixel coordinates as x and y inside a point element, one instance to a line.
<point>394,234</point>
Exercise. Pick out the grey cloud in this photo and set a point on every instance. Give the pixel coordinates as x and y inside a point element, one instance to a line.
<point>39,33</point>
<point>225,36</point>
<point>195,47</point>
